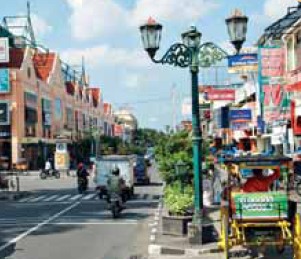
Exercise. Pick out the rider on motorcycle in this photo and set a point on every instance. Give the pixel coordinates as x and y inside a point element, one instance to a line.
<point>82,174</point>
<point>48,167</point>
<point>115,184</point>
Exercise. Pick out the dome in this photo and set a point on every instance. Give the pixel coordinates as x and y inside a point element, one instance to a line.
<point>125,117</point>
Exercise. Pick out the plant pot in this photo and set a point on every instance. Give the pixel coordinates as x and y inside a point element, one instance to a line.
<point>175,225</point>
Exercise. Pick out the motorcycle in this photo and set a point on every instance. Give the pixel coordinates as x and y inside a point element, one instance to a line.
<point>82,185</point>
<point>49,173</point>
<point>115,205</point>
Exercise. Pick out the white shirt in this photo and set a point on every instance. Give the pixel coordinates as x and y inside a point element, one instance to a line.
<point>47,165</point>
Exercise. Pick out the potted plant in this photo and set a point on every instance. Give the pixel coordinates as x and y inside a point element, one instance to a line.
<point>178,206</point>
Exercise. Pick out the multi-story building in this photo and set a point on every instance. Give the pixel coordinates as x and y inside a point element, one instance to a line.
<point>44,99</point>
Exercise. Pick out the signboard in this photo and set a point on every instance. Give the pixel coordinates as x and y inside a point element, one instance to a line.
<point>4,113</point>
<point>212,94</point>
<point>260,205</point>
<point>272,83</point>
<point>4,50</point>
<point>239,125</point>
<point>4,81</point>
<point>240,115</point>
<point>242,63</point>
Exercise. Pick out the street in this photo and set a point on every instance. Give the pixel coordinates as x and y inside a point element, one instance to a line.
<point>60,223</point>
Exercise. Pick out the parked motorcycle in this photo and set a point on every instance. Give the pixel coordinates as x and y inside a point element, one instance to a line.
<point>82,185</point>
<point>116,205</point>
<point>44,174</point>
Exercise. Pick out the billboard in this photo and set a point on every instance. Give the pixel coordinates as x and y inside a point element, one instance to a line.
<point>242,63</point>
<point>212,94</point>
<point>240,115</point>
<point>276,100</point>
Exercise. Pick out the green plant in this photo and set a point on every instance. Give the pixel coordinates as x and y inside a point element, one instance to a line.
<point>176,202</point>
<point>169,150</point>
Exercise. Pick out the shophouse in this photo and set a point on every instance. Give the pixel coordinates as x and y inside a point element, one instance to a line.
<point>43,99</point>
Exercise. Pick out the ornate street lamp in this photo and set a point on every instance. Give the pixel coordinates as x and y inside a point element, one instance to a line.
<point>191,53</point>
<point>237,29</point>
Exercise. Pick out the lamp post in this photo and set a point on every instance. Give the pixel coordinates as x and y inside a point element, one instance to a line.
<point>190,53</point>
<point>180,168</point>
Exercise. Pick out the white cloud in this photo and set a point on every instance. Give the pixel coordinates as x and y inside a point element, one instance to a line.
<point>104,55</point>
<point>96,18</point>
<point>132,81</point>
<point>41,27</point>
<point>169,10</point>
<point>275,9</point>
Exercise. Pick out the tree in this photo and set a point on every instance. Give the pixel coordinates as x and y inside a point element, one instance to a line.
<point>169,150</point>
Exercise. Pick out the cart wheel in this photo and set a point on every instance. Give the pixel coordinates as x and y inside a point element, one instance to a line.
<point>297,237</point>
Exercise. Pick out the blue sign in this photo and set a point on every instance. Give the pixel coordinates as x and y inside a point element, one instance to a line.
<point>243,60</point>
<point>243,114</point>
<point>4,81</point>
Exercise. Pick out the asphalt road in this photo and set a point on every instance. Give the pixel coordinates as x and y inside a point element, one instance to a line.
<point>56,222</point>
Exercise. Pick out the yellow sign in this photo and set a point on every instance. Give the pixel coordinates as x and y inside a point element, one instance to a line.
<point>61,160</point>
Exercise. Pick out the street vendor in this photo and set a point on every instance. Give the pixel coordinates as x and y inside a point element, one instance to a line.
<point>260,183</point>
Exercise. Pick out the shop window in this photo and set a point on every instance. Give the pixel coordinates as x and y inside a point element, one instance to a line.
<point>30,130</point>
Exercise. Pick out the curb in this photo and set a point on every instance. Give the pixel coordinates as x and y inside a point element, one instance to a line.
<point>161,250</point>
<point>13,196</point>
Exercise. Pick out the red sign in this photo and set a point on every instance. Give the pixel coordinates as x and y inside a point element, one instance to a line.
<point>272,62</point>
<point>118,130</point>
<point>220,94</point>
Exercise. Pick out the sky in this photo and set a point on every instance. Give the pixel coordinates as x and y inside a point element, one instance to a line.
<point>106,33</point>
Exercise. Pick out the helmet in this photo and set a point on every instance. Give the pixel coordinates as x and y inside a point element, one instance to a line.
<point>115,170</point>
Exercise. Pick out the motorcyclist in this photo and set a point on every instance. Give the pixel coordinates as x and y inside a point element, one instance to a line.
<point>82,174</point>
<point>115,184</point>
<point>48,167</point>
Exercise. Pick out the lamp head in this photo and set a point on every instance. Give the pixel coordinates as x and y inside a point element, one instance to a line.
<point>237,28</point>
<point>151,36</point>
<point>192,37</point>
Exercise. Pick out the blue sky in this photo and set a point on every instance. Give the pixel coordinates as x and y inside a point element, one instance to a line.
<point>106,33</point>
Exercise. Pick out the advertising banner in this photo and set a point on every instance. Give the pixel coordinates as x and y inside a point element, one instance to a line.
<point>260,205</point>
<point>220,94</point>
<point>4,113</point>
<point>240,115</point>
<point>243,63</point>
<point>4,81</point>
<point>4,50</point>
<point>276,101</point>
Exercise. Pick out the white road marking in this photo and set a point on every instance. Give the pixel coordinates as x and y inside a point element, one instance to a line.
<point>64,197</point>
<point>90,196</point>
<point>35,228</point>
<point>76,197</point>
<point>37,199</point>
<point>25,199</point>
<point>52,197</point>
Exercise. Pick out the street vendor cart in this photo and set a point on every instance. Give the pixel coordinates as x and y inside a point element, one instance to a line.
<point>259,219</point>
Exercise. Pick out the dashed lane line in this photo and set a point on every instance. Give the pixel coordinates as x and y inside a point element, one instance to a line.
<point>35,228</point>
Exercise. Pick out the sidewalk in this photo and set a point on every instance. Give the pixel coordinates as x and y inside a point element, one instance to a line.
<point>168,245</point>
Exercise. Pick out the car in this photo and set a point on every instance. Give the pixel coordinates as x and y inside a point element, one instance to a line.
<point>141,171</point>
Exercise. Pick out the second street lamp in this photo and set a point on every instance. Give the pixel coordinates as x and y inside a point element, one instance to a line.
<point>191,53</point>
